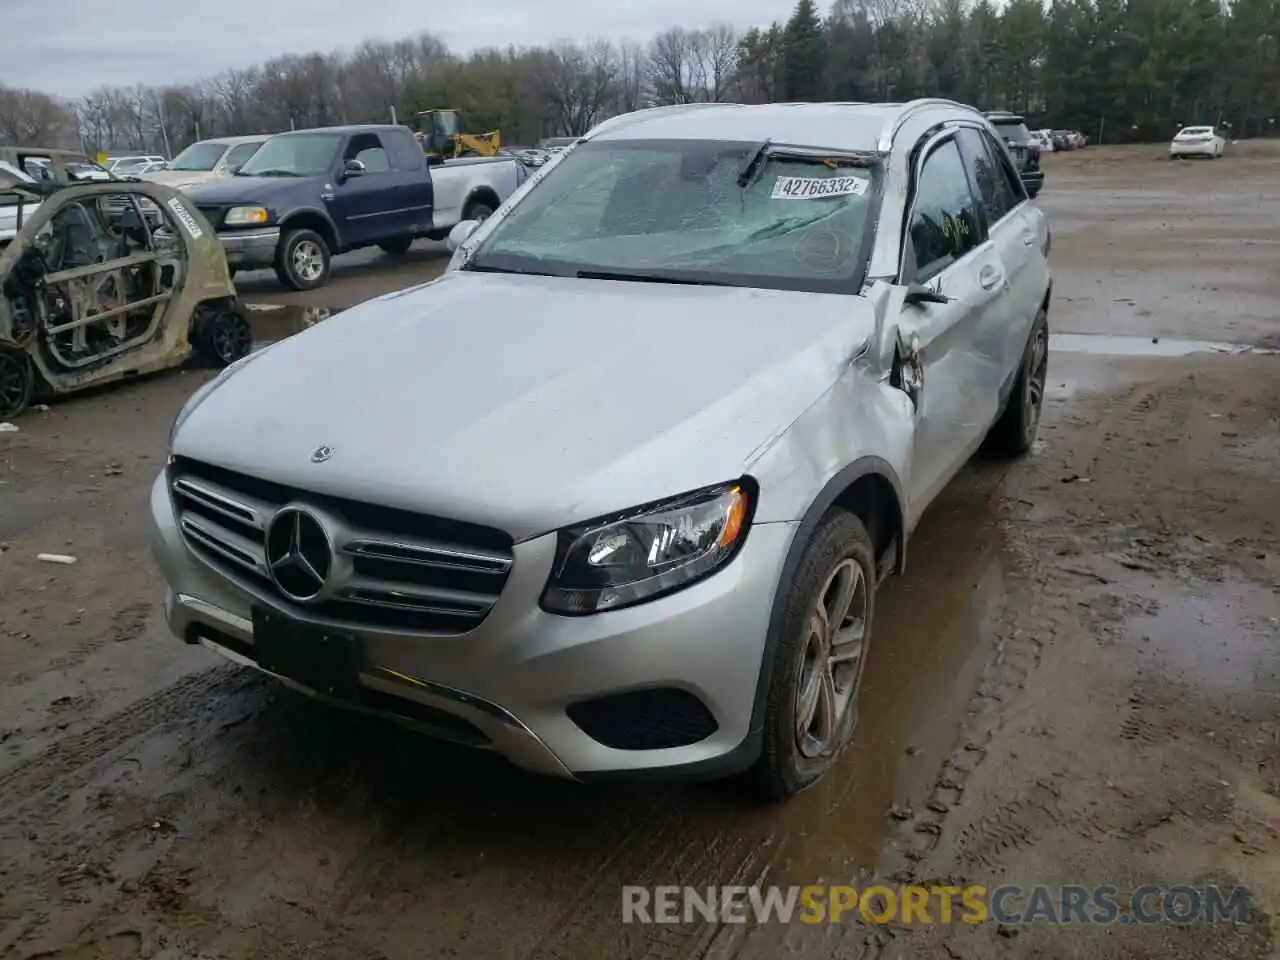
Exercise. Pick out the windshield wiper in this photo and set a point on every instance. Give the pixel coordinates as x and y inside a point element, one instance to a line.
<point>273,172</point>
<point>646,277</point>
<point>749,173</point>
<point>473,267</point>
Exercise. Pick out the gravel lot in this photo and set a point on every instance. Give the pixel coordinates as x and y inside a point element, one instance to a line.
<point>1077,681</point>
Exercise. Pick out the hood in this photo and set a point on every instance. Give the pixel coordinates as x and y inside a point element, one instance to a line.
<point>236,190</point>
<point>180,179</point>
<point>529,403</point>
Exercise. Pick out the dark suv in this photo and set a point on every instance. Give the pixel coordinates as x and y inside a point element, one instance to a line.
<point>1013,130</point>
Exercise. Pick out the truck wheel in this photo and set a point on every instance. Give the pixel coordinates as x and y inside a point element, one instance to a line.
<point>17,381</point>
<point>811,705</point>
<point>302,260</point>
<point>1015,431</point>
<point>397,246</point>
<point>477,210</point>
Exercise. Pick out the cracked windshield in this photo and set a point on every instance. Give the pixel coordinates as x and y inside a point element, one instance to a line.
<point>705,211</point>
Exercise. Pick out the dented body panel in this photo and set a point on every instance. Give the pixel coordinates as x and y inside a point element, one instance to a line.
<point>95,289</point>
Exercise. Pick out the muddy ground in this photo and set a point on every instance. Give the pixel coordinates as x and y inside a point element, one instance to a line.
<point>1077,681</point>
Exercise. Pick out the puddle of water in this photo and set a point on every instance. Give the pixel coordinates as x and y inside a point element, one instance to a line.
<point>272,321</point>
<point>1222,638</point>
<point>1107,345</point>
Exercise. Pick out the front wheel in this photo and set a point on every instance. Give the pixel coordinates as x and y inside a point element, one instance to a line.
<point>811,705</point>
<point>397,246</point>
<point>302,260</point>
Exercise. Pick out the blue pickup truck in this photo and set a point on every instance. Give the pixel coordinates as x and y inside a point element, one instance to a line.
<point>309,195</point>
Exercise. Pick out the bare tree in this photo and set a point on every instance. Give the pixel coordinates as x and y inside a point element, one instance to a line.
<point>32,117</point>
<point>577,83</point>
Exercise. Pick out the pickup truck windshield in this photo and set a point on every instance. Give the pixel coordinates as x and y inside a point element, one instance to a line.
<point>692,211</point>
<point>199,157</point>
<point>294,155</point>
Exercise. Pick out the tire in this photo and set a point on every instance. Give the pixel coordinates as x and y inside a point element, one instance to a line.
<point>222,337</point>
<point>302,260</point>
<point>17,382</point>
<point>477,210</point>
<point>1015,432</point>
<point>397,246</point>
<point>792,760</point>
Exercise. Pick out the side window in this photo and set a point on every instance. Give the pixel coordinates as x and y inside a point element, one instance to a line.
<point>944,218</point>
<point>368,149</point>
<point>986,165</point>
<point>404,151</point>
<point>238,155</point>
<point>1012,181</point>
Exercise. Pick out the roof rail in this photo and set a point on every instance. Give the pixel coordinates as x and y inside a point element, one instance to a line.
<point>908,110</point>
<point>645,113</point>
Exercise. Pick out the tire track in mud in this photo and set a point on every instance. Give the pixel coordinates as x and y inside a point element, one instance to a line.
<point>59,765</point>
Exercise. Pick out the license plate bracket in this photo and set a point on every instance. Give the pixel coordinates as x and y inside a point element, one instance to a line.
<point>327,661</point>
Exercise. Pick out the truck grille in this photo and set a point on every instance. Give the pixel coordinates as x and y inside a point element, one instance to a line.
<point>398,570</point>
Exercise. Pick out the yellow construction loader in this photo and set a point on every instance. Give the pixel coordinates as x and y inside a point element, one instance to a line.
<point>441,134</point>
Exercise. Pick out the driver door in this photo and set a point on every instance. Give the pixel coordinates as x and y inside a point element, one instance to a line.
<point>956,391</point>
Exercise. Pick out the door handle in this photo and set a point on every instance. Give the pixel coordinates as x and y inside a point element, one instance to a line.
<point>990,278</point>
<point>1029,239</point>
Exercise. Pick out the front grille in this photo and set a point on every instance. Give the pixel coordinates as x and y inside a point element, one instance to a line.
<point>403,571</point>
<point>656,719</point>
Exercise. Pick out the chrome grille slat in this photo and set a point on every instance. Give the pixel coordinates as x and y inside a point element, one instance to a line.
<point>430,555</point>
<point>221,501</point>
<point>398,571</point>
<point>228,545</point>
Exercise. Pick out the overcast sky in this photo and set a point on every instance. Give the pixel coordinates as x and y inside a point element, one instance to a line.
<point>70,47</point>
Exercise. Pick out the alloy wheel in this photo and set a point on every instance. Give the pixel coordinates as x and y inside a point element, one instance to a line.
<point>833,660</point>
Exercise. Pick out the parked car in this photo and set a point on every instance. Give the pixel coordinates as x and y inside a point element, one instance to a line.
<point>208,160</point>
<point>15,206</point>
<point>1197,142</point>
<point>615,493</point>
<point>1042,139</point>
<point>88,296</point>
<point>131,166</point>
<point>308,195</point>
<point>1026,154</point>
<point>38,166</point>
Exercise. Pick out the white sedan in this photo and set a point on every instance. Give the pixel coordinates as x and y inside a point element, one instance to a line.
<point>1197,142</point>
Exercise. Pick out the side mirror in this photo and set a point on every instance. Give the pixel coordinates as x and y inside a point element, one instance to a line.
<point>918,294</point>
<point>460,233</point>
<point>352,168</point>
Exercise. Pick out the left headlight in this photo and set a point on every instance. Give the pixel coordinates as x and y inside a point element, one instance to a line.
<point>648,552</point>
<point>244,216</point>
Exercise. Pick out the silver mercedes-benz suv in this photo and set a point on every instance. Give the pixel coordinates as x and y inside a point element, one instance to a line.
<point>615,493</point>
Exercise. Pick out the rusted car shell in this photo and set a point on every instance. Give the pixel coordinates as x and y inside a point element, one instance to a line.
<point>202,296</point>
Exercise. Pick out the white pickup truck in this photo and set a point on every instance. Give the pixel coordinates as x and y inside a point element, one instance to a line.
<point>309,195</point>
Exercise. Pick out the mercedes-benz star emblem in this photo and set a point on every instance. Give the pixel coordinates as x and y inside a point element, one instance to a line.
<point>299,554</point>
<point>321,454</point>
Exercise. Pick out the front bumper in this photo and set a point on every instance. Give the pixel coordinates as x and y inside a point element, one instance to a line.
<point>507,685</point>
<point>250,249</point>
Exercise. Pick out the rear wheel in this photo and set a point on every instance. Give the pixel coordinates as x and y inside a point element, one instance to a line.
<point>811,706</point>
<point>17,381</point>
<point>222,337</point>
<point>397,246</point>
<point>302,260</point>
<point>477,210</point>
<point>1015,431</point>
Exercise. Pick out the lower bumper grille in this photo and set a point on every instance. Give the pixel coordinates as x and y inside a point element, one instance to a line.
<point>366,566</point>
<point>657,719</point>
